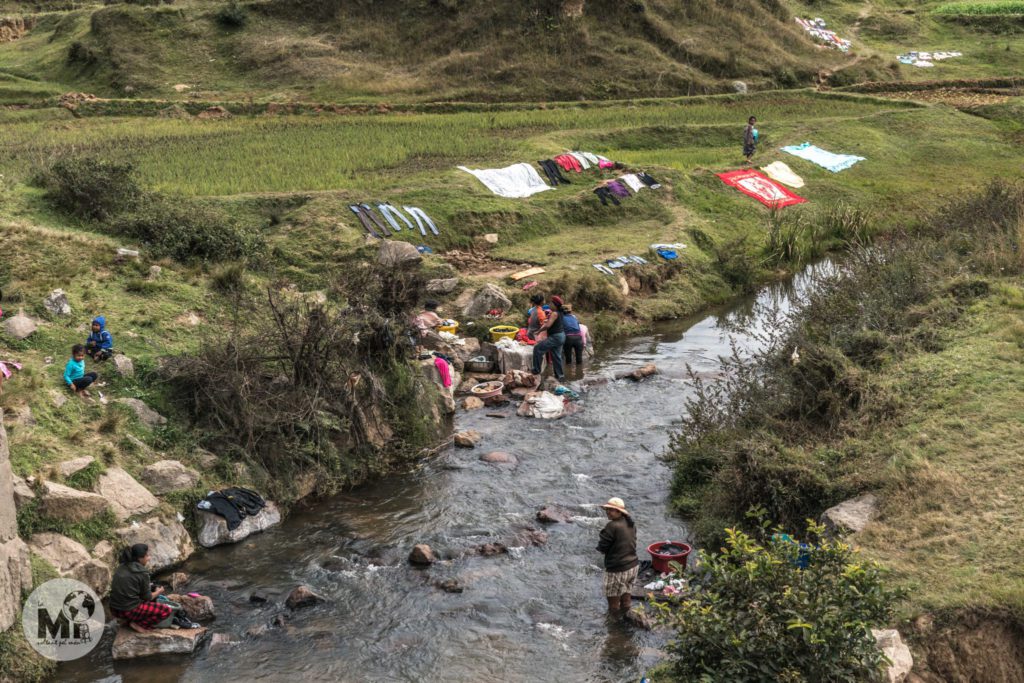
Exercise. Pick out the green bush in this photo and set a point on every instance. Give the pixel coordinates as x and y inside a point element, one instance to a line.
<point>231,16</point>
<point>184,230</point>
<point>91,188</point>
<point>755,615</point>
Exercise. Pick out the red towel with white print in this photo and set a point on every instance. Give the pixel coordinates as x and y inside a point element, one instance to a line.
<point>762,188</point>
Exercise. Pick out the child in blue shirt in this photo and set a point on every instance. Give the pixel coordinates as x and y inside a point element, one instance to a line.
<point>99,345</point>
<point>75,375</point>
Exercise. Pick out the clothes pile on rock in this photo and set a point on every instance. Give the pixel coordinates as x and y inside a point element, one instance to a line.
<point>926,59</point>
<point>816,27</point>
<point>619,262</point>
<point>624,186</point>
<point>392,216</point>
<point>233,504</point>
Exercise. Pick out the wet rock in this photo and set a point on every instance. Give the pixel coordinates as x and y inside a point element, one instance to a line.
<point>491,549</point>
<point>20,326</point>
<point>166,476</point>
<point>169,542</point>
<point>640,373</point>
<point>422,555</point>
<point>69,467</point>
<point>67,504</point>
<point>468,439</point>
<point>123,365</point>
<point>56,302</point>
<point>897,652</point>
<point>443,285</point>
<point>279,620</point>
<point>450,586</point>
<point>146,415</point>
<point>850,516</point>
<point>303,596</point>
<point>496,401</point>
<point>23,493</point>
<point>258,597</point>
<point>126,496</point>
<point>484,299</point>
<point>178,581</point>
<point>551,514</point>
<point>472,403</point>
<point>71,560</point>
<point>499,416</point>
<point>639,618</point>
<point>257,630</point>
<point>395,253</point>
<point>595,382</point>
<point>196,608</point>
<point>529,537</point>
<point>130,644</point>
<point>213,529</point>
<point>521,392</point>
<point>220,641</point>
<point>499,458</point>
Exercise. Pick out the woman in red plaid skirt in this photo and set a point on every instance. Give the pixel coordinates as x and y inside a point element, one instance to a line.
<point>132,596</point>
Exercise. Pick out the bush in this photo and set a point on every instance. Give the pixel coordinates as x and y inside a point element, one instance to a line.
<point>91,188</point>
<point>185,230</point>
<point>754,615</point>
<point>231,16</point>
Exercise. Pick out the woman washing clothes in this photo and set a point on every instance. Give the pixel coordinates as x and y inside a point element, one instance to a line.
<point>132,596</point>
<point>621,565</point>
<point>575,340</point>
<point>551,338</point>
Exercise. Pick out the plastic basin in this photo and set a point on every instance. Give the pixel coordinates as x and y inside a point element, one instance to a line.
<point>503,332</point>
<point>660,560</point>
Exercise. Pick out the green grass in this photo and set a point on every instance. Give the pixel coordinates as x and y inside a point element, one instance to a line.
<point>1003,7</point>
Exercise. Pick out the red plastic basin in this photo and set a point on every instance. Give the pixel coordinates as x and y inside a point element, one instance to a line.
<point>660,560</point>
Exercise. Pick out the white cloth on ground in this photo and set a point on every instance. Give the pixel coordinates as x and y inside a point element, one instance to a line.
<point>822,157</point>
<point>633,181</point>
<point>778,170</point>
<point>580,158</point>
<point>515,181</point>
<point>547,406</point>
<point>674,245</point>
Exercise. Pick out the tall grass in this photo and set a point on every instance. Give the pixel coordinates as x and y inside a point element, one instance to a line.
<point>1002,7</point>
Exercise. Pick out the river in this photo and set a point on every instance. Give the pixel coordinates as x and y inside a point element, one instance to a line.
<point>534,615</point>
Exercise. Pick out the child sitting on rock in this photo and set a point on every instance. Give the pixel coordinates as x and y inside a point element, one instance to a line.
<point>99,345</point>
<point>74,372</point>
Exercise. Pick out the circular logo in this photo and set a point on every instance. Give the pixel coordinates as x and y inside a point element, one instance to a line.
<point>63,619</point>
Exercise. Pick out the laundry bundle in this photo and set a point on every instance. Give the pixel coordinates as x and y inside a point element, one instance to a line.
<point>816,27</point>
<point>391,215</point>
<point>925,59</point>
<point>828,160</point>
<point>624,186</point>
<point>619,262</point>
<point>233,504</point>
<point>754,184</point>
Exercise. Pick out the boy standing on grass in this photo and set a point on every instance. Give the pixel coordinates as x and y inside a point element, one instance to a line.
<point>750,140</point>
<point>74,372</point>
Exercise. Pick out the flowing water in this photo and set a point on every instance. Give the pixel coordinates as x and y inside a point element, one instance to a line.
<point>536,614</point>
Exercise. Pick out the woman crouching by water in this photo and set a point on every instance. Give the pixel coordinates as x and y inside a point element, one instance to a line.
<point>132,596</point>
<point>618,544</point>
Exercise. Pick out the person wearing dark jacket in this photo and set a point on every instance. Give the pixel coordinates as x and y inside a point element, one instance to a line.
<point>100,344</point>
<point>132,596</point>
<point>574,342</point>
<point>621,565</point>
<point>551,337</point>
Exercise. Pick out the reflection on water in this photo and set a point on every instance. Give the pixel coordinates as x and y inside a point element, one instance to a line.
<point>537,614</point>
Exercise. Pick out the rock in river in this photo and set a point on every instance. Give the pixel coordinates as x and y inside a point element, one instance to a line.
<point>499,458</point>
<point>213,529</point>
<point>468,439</point>
<point>422,555</point>
<point>130,644</point>
<point>303,596</point>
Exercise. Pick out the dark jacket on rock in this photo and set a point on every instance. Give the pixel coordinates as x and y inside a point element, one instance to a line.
<point>618,543</point>
<point>129,587</point>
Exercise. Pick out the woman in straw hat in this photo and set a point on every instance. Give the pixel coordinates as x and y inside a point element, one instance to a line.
<point>618,544</point>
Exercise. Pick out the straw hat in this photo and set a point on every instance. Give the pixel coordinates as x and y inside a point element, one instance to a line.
<point>616,504</point>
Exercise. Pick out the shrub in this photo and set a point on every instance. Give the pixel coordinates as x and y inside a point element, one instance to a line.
<point>91,188</point>
<point>80,54</point>
<point>231,16</point>
<point>755,615</point>
<point>185,230</point>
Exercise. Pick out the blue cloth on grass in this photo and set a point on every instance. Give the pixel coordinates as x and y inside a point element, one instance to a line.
<point>828,160</point>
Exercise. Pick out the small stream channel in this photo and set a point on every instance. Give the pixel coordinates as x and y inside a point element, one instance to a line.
<point>534,615</point>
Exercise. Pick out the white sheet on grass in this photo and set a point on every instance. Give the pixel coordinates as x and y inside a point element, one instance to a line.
<point>778,170</point>
<point>516,181</point>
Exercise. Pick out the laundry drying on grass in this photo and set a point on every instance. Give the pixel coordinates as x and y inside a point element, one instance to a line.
<point>780,171</point>
<point>926,59</point>
<point>377,225</point>
<point>620,262</point>
<point>516,181</point>
<point>827,160</point>
<point>816,27</point>
<point>624,187</point>
<point>755,184</point>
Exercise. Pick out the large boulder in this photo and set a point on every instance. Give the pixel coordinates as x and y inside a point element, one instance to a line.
<point>169,542</point>
<point>165,476</point>
<point>486,298</point>
<point>23,493</point>
<point>552,514</point>
<point>130,644</point>
<point>146,415</point>
<point>64,503</point>
<point>127,497</point>
<point>196,607</point>
<point>213,529</point>
<point>72,560</point>
<point>123,365</point>
<point>395,253</point>
<point>422,555</point>
<point>897,652</point>
<point>56,303</point>
<point>69,467</point>
<point>20,326</point>
<point>15,569</point>
<point>499,458</point>
<point>468,439</point>
<point>442,285</point>
<point>850,516</point>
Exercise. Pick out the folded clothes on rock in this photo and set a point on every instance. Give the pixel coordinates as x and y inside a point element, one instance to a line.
<point>233,504</point>
<point>827,160</point>
<point>515,181</point>
<point>778,170</point>
<point>754,184</point>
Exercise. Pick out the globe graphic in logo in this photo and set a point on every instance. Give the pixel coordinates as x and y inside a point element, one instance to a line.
<point>78,607</point>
